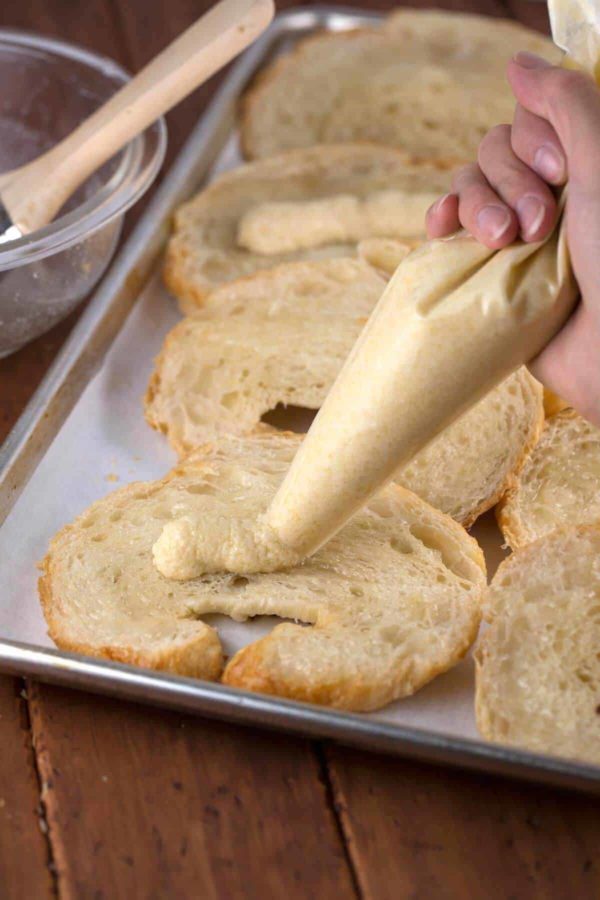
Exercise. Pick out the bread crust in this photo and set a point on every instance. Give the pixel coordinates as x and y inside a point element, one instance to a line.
<point>372,639</point>
<point>263,88</point>
<point>533,436</point>
<point>292,329</point>
<point>203,254</point>
<point>200,656</point>
<point>536,683</point>
<point>516,512</point>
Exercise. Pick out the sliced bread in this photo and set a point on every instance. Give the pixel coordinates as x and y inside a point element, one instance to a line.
<point>552,402</point>
<point>538,675</point>
<point>394,599</point>
<point>281,337</point>
<point>559,483</point>
<point>309,204</point>
<point>431,82</point>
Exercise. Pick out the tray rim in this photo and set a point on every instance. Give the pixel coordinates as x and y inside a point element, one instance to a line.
<point>58,393</point>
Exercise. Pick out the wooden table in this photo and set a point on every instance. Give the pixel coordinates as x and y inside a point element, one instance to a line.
<point>101,799</point>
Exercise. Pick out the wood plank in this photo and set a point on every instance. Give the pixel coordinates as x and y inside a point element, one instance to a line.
<point>24,851</point>
<point>145,803</point>
<point>24,855</point>
<point>90,24</point>
<point>418,831</point>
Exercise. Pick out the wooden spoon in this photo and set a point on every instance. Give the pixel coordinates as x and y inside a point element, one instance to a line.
<point>31,195</point>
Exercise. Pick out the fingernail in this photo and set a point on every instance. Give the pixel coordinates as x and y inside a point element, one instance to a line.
<point>530,61</point>
<point>494,221</point>
<point>437,206</point>
<point>531,212</point>
<point>548,163</point>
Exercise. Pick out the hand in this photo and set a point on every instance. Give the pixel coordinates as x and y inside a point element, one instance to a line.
<point>507,194</point>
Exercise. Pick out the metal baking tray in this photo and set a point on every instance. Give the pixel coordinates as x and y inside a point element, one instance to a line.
<point>78,362</point>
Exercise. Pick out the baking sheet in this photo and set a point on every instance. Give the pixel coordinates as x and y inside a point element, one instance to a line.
<point>104,442</point>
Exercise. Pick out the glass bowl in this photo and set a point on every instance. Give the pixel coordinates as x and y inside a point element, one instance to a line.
<point>47,88</point>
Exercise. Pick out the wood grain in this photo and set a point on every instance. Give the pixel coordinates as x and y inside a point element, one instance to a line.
<point>143,803</point>
<point>24,853</point>
<point>424,832</point>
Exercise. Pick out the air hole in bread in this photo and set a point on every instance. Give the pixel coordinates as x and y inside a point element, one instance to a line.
<point>239,581</point>
<point>437,542</point>
<point>201,487</point>
<point>401,544</point>
<point>289,418</point>
<point>391,633</point>
<point>230,399</point>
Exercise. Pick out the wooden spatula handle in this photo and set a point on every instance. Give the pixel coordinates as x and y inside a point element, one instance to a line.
<point>39,190</point>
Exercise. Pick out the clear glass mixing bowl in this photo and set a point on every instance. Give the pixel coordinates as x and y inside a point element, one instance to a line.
<point>47,88</point>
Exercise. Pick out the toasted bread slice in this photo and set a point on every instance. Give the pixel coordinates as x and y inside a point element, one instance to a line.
<point>276,337</point>
<point>281,337</point>
<point>430,82</point>
<point>394,599</point>
<point>558,485</point>
<point>538,676</point>
<point>295,197</point>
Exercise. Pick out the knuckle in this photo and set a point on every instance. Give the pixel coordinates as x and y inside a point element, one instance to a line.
<point>499,132</point>
<point>463,176</point>
<point>564,87</point>
<point>496,139</point>
<point>512,185</point>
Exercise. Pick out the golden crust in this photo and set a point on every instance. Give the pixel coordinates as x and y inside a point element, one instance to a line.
<point>400,26</point>
<point>512,476</point>
<point>452,613</point>
<point>536,682</point>
<point>203,254</point>
<point>250,670</point>
<point>508,512</point>
<point>199,657</point>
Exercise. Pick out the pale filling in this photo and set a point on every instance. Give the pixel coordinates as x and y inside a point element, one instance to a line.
<point>453,322</point>
<point>190,547</point>
<point>285,227</point>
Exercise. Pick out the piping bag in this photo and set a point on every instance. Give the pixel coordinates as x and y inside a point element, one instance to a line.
<point>453,322</point>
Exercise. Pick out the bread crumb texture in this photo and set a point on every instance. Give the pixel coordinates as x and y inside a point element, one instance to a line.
<point>558,484</point>
<point>431,82</point>
<point>281,337</point>
<point>316,203</point>
<point>387,605</point>
<point>538,671</point>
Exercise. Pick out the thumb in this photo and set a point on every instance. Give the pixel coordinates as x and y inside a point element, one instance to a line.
<point>570,102</point>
